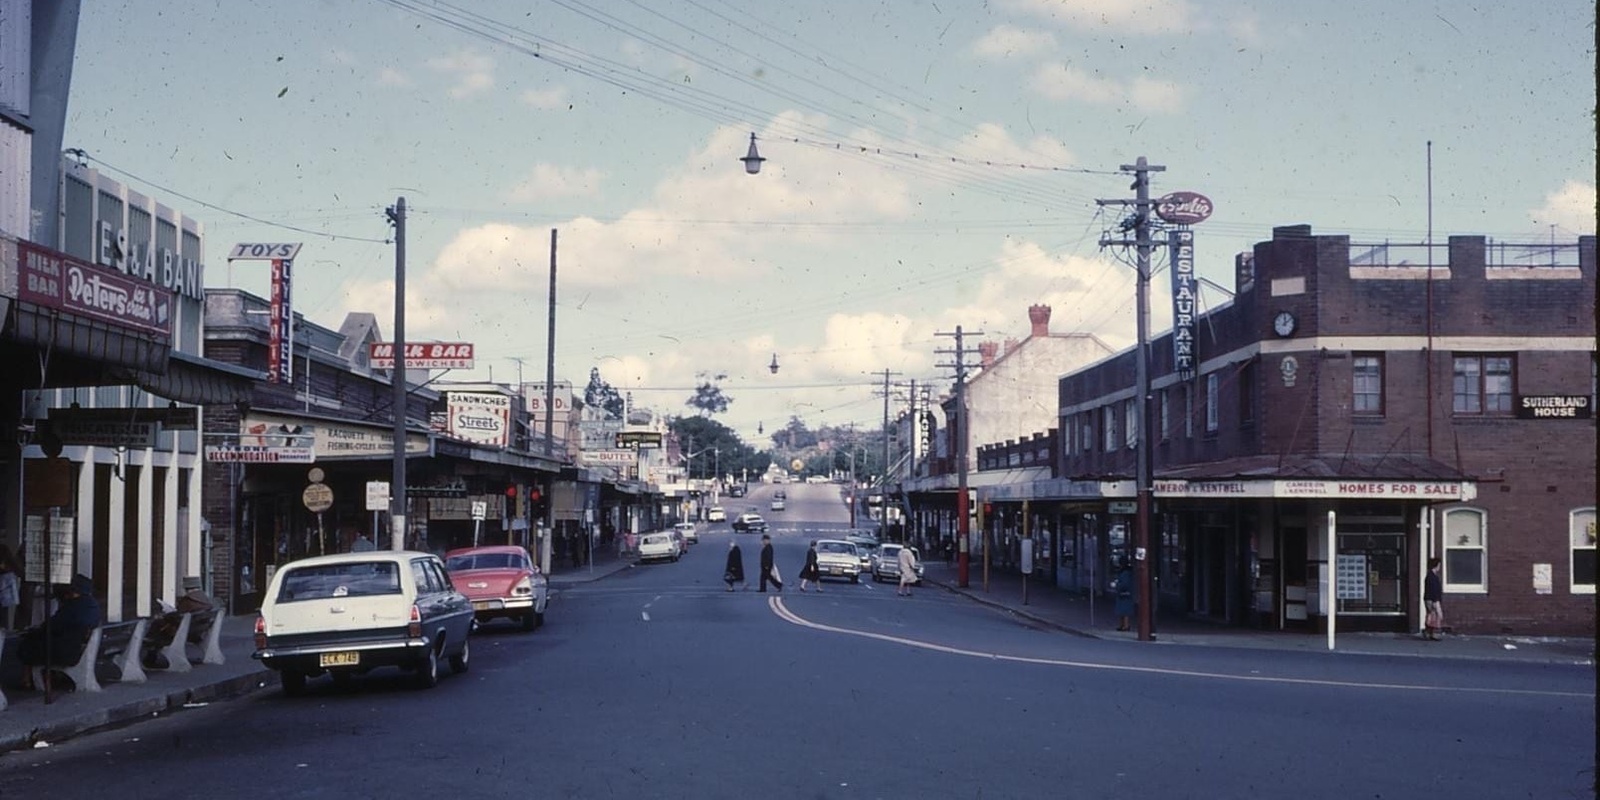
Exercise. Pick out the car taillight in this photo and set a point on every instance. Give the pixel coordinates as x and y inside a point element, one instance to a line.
<point>414,628</point>
<point>524,587</point>
<point>261,633</point>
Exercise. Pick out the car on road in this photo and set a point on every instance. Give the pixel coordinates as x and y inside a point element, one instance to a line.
<point>502,582</point>
<point>777,504</point>
<point>886,567</point>
<point>351,613</point>
<point>716,514</point>
<point>660,546</point>
<point>689,532</point>
<point>866,548</point>
<point>838,558</point>
<point>749,522</point>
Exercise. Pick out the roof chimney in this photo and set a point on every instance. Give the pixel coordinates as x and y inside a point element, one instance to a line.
<point>1040,317</point>
<point>986,353</point>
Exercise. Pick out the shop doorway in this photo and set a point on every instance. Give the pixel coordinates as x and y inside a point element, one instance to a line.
<point>1292,565</point>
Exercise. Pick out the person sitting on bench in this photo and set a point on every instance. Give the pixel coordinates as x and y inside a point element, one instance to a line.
<point>193,601</point>
<point>77,615</point>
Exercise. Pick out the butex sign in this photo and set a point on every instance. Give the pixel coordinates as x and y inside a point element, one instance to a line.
<point>423,355</point>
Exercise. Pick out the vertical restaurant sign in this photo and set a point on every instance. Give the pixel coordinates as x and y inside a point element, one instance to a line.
<point>1184,289</point>
<point>55,280</point>
<point>480,417</point>
<point>280,328</point>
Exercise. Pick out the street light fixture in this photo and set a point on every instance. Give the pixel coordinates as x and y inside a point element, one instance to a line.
<point>774,365</point>
<point>752,163</point>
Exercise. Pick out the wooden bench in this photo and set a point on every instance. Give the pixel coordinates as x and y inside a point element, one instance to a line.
<point>203,627</point>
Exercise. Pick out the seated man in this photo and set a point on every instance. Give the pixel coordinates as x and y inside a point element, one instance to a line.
<point>77,615</point>
<point>192,601</point>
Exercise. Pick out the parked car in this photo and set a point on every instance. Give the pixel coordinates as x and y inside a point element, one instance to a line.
<point>690,534</point>
<point>683,541</point>
<point>351,613</point>
<point>502,582</point>
<point>749,522</point>
<point>716,514</point>
<point>886,567</point>
<point>837,558</point>
<point>659,546</point>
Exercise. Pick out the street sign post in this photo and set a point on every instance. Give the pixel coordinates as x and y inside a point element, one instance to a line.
<point>318,498</point>
<point>480,509</point>
<point>377,500</point>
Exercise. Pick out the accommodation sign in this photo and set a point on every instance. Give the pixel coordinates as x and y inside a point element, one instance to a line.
<point>57,281</point>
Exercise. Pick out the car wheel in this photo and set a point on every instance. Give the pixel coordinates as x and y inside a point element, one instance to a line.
<point>530,621</point>
<point>855,578</point>
<point>462,661</point>
<point>294,683</point>
<point>428,670</point>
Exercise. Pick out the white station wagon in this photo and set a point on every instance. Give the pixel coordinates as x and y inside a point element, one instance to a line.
<point>350,613</point>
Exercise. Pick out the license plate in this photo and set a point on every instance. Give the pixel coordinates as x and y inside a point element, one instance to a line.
<point>346,659</point>
<point>835,570</point>
<point>485,605</point>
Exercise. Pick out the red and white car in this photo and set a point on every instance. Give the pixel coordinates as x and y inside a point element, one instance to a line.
<point>502,582</point>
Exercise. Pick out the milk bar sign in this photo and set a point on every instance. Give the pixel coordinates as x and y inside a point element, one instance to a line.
<point>1557,406</point>
<point>424,355</point>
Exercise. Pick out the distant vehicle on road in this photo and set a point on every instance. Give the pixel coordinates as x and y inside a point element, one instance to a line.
<point>351,613</point>
<point>716,514</point>
<point>661,546</point>
<point>837,558</point>
<point>502,582</point>
<point>816,479</point>
<point>777,504</point>
<point>749,523</point>
<point>866,548</point>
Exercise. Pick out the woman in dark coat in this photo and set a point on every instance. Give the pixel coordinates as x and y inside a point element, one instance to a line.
<point>809,571</point>
<point>734,571</point>
<point>1125,604</point>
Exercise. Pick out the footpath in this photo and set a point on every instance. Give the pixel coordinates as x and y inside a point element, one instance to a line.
<point>1077,614</point>
<point>27,721</point>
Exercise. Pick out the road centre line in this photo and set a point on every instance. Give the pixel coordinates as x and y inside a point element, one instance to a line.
<point>783,612</point>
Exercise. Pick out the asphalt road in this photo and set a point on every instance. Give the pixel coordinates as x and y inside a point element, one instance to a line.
<point>657,683</point>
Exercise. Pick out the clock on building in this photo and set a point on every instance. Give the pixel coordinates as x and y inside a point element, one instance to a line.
<point>1283,324</point>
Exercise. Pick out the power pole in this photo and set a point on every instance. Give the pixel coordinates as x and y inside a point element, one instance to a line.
<point>883,483</point>
<point>1140,224</point>
<point>397,380</point>
<point>550,362</point>
<point>958,429</point>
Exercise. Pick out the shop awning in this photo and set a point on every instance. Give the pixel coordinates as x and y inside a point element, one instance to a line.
<point>194,379</point>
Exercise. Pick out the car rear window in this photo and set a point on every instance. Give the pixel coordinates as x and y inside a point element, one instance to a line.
<point>324,581</point>
<point>656,539</point>
<point>836,547</point>
<point>483,561</point>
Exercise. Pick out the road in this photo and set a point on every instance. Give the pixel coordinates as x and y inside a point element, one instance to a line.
<point>657,683</point>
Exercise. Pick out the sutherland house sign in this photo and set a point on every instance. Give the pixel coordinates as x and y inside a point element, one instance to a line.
<point>1561,406</point>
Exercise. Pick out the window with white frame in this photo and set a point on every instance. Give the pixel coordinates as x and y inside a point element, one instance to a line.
<point>1130,412</point>
<point>1581,525</point>
<point>1466,551</point>
<point>1211,403</point>
<point>1367,385</point>
<point>1482,384</point>
<point>1111,427</point>
<point>1166,418</point>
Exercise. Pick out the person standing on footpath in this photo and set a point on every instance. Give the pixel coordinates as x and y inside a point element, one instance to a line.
<point>1433,599</point>
<point>734,571</point>
<point>1125,605</point>
<point>808,571</point>
<point>10,588</point>
<point>769,568</point>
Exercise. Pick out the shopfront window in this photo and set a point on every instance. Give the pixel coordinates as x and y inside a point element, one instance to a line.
<point>1111,427</point>
<point>1583,550</point>
<point>1466,551</point>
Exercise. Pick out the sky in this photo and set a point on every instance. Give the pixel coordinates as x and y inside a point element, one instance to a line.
<point>929,165</point>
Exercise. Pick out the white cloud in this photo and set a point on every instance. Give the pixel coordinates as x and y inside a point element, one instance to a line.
<point>1009,41</point>
<point>1058,81</point>
<point>550,181</point>
<point>1112,16</point>
<point>1572,207</point>
<point>473,72</point>
<point>547,99</point>
<point>389,76</point>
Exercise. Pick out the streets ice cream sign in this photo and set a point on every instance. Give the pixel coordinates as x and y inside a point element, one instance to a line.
<point>480,417</point>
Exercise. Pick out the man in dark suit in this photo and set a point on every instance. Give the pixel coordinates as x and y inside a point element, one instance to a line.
<point>767,565</point>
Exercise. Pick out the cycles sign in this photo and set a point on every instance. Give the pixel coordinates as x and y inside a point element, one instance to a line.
<point>1184,208</point>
